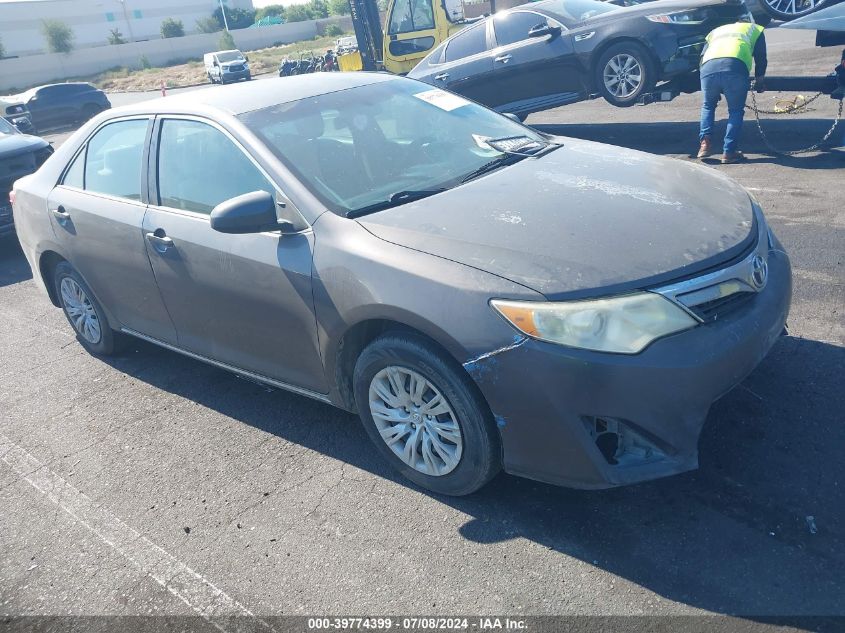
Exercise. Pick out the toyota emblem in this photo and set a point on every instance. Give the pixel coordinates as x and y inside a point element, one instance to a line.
<point>759,272</point>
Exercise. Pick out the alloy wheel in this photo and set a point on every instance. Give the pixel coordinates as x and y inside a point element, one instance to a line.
<point>622,75</point>
<point>80,311</point>
<point>789,9</point>
<point>415,421</point>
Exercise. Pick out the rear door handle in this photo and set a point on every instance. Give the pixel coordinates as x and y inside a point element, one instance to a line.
<point>442,76</point>
<point>503,58</point>
<point>60,214</point>
<point>159,240</point>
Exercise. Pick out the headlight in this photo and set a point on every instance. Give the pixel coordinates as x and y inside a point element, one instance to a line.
<point>678,17</point>
<point>624,325</point>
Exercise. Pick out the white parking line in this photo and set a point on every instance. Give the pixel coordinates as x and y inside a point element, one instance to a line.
<point>179,579</point>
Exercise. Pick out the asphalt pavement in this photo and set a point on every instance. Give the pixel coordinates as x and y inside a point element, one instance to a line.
<point>152,484</point>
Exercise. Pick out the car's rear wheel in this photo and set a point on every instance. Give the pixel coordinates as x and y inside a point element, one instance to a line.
<point>624,73</point>
<point>90,111</point>
<point>82,311</point>
<point>425,416</point>
<point>790,9</point>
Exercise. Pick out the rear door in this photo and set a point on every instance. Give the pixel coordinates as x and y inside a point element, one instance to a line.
<point>466,66</point>
<point>97,211</point>
<point>242,300</point>
<point>529,69</point>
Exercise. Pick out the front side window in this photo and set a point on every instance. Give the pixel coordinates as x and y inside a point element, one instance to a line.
<point>199,167</point>
<point>467,43</point>
<point>113,161</point>
<point>75,175</point>
<point>354,148</point>
<point>411,15</point>
<point>514,27</point>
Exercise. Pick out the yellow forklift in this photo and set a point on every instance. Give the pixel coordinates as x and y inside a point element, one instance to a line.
<point>412,29</point>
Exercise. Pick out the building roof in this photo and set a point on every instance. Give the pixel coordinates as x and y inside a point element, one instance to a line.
<point>255,95</point>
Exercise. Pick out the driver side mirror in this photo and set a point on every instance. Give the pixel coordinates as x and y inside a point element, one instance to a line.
<point>256,212</point>
<point>541,30</point>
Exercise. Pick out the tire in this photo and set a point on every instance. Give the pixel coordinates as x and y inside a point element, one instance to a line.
<point>786,11</point>
<point>625,57</point>
<point>472,460</point>
<point>66,281</point>
<point>210,78</point>
<point>90,111</point>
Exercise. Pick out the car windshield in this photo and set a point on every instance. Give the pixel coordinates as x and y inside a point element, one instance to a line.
<point>6,128</point>
<point>387,143</point>
<point>575,11</point>
<point>229,56</point>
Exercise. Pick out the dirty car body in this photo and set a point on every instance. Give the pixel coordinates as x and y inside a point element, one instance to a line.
<point>484,296</point>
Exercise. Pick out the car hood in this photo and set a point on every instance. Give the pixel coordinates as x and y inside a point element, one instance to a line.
<point>14,144</point>
<point>584,220</point>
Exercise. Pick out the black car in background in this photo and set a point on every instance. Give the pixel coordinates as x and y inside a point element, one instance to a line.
<point>20,155</point>
<point>551,53</point>
<point>60,105</point>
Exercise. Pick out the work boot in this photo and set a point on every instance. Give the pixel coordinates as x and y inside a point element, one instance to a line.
<point>705,150</point>
<point>729,158</point>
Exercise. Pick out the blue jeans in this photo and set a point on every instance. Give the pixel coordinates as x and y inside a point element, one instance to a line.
<point>734,86</point>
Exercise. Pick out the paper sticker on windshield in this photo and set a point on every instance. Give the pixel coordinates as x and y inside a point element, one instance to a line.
<point>441,99</point>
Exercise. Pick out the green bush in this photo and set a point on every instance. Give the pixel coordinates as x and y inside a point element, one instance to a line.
<point>227,42</point>
<point>116,37</point>
<point>171,27</point>
<point>59,36</point>
<point>334,30</point>
<point>209,25</point>
<point>271,10</point>
<point>236,18</point>
<point>339,7</point>
<point>145,62</point>
<point>2,50</point>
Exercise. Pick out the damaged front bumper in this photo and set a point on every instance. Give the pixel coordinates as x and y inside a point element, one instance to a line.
<point>593,420</point>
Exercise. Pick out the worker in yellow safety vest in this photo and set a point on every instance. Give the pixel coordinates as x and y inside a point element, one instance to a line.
<point>726,65</point>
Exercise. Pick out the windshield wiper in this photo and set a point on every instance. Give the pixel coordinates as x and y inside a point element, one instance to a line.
<point>394,200</point>
<point>496,163</point>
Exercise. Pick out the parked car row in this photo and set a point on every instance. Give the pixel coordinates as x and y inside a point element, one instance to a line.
<point>554,52</point>
<point>54,106</point>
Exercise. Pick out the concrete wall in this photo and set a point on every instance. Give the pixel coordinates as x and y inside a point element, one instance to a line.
<point>23,72</point>
<point>92,20</point>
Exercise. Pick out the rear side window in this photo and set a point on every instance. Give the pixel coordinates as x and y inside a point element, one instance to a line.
<point>514,27</point>
<point>114,159</point>
<point>467,43</point>
<point>199,167</point>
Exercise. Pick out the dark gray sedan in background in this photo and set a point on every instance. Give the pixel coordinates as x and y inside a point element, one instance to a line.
<point>482,295</point>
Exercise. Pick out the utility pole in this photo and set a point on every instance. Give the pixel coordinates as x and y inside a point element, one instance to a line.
<point>128,23</point>
<point>223,11</point>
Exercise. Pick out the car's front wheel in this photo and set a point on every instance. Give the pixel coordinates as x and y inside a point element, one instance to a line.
<point>85,315</point>
<point>624,73</point>
<point>425,416</point>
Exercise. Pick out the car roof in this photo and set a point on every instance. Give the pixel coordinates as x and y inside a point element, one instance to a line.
<point>253,95</point>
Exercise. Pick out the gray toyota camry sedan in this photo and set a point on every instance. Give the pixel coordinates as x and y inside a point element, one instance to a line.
<point>483,296</point>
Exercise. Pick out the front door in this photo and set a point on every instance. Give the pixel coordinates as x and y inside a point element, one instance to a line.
<point>532,71</point>
<point>97,211</point>
<point>243,300</point>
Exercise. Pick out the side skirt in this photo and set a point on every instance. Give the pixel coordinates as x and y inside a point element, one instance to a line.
<point>264,380</point>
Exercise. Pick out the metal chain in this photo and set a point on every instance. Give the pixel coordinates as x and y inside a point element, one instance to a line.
<point>774,149</point>
<point>791,108</point>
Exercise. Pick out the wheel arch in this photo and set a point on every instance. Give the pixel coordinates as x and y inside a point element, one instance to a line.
<point>47,262</point>
<point>343,355</point>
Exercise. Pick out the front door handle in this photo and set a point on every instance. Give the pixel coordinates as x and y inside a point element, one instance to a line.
<point>442,77</point>
<point>159,240</point>
<point>503,58</point>
<point>60,214</point>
